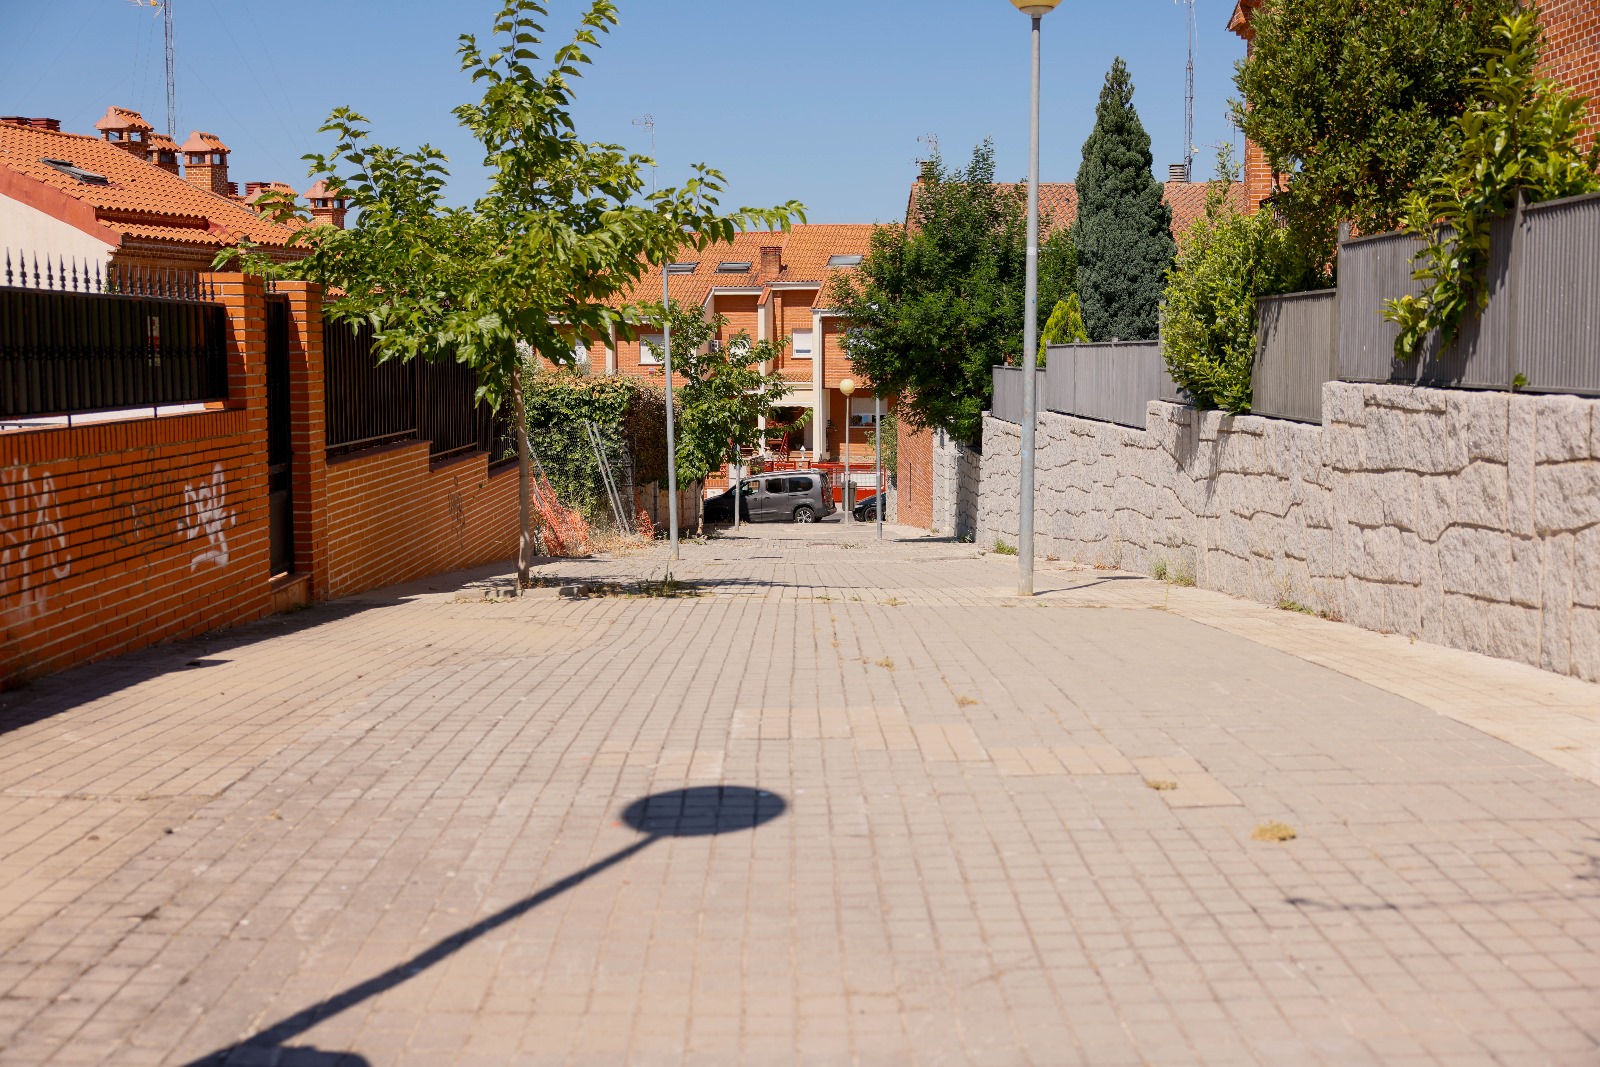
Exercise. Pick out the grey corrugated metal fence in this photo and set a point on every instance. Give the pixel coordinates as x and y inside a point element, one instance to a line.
<point>1542,321</point>
<point>1296,351</point>
<point>1557,340</point>
<point>1007,404</point>
<point>1112,382</point>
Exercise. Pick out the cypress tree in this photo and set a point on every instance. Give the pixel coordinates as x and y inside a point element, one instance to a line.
<point>1124,229</point>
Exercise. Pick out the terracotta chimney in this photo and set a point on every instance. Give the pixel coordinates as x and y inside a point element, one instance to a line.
<point>48,125</point>
<point>205,162</point>
<point>162,151</point>
<point>126,129</point>
<point>327,208</point>
<point>771,260</point>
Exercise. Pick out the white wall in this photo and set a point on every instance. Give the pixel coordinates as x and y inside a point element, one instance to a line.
<point>28,230</point>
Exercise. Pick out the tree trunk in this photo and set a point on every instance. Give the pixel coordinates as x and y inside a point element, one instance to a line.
<point>524,479</point>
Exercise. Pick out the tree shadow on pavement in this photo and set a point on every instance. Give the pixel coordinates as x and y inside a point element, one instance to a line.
<point>700,811</point>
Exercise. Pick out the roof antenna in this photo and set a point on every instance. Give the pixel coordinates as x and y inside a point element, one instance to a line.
<point>1188,101</point>
<point>165,7</point>
<point>649,123</point>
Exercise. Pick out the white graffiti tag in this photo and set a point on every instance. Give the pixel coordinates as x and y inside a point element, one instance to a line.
<point>209,518</point>
<point>33,547</point>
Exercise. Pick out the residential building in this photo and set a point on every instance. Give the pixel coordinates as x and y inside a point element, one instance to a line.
<point>120,199</point>
<point>776,286</point>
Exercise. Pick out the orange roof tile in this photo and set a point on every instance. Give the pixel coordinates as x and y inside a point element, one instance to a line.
<point>204,142</point>
<point>135,193</point>
<point>161,142</point>
<point>122,118</point>
<point>1058,204</point>
<point>805,251</point>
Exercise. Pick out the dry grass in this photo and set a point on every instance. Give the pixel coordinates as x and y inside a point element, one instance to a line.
<point>1274,831</point>
<point>965,702</point>
<point>893,602</point>
<point>1160,785</point>
<point>886,663</point>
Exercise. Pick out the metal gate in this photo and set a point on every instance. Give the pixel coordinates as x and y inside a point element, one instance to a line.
<point>280,452</point>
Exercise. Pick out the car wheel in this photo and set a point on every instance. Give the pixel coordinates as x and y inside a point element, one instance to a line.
<point>805,513</point>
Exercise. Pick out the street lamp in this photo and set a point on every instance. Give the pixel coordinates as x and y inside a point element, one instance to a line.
<point>877,458</point>
<point>666,356</point>
<point>847,386</point>
<point>1035,10</point>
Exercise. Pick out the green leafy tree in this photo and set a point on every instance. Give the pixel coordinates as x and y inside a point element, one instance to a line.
<point>725,394</point>
<point>938,302</point>
<point>566,228</point>
<point>1522,137</point>
<point>1064,327</point>
<point>1357,101</point>
<point>1208,323</point>
<point>1123,234</point>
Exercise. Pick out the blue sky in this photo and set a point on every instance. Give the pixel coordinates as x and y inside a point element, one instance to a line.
<point>820,101</point>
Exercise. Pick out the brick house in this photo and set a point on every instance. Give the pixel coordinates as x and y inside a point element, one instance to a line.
<point>121,199</point>
<point>773,285</point>
<point>1572,29</point>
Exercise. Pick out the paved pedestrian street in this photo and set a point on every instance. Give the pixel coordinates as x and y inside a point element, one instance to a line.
<point>828,801</point>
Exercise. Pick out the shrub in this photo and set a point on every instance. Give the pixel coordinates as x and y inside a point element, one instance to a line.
<point>631,417</point>
<point>1064,327</point>
<point>1208,319</point>
<point>1521,137</point>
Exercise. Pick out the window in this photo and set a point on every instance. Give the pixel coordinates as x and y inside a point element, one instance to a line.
<point>776,486</point>
<point>800,344</point>
<point>862,415</point>
<point>734,267</point>
<point>801,485</point>
<point>67,167</point>
<point>844,261</point>
<point>650,345</point>
<point>580,354</point>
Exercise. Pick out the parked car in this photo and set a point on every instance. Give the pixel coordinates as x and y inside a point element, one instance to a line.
<point>867,510</point>
<point>785,496</point>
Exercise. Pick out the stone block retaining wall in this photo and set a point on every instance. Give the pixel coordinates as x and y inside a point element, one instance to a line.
<point>1466,519</point>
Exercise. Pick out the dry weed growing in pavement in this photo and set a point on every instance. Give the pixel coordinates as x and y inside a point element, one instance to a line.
<point>886,663</point>
<point>1160,785</point>
<point>965,702</point>
<point>1274,831</point>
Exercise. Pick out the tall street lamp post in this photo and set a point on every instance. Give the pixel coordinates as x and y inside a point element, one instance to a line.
<point>666,356</point>
<point>877,458</point>
<point>847,386</point>
<point>1035,10</point>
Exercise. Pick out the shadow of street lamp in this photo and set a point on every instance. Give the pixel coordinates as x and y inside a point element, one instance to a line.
<point>701,811</point>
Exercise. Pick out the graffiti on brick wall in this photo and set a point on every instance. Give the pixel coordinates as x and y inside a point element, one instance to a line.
<point>33,547</point>
<point>458,510</point>
<point>208,518</point>
<point>146,510</point>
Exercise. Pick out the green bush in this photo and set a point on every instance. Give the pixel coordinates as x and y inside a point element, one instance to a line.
<point>631,417</point>
<point>1208,319</point>
<point>1064,327</point>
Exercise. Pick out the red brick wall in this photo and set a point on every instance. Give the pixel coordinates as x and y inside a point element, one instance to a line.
<point>915,478</point>
<point>118,535</point>
<point>123,534</point>
<point>394,518</point>
<point>1572,30</point>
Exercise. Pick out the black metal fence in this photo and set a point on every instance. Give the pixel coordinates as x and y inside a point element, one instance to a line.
<point>76,339</point>
<point>368,403</point>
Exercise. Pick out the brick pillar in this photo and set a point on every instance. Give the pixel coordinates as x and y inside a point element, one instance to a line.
<point>308,431</point>
<point>244,299</point>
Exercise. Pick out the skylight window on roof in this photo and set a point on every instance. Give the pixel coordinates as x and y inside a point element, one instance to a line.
<point>729,266</point>
<point>844,261</point>
<point>71,169</point>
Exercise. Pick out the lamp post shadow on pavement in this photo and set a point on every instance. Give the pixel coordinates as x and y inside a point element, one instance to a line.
<point>700,811</point>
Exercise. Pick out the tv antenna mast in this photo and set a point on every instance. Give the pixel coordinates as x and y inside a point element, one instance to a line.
<point>165,7</point>
<point>1188,99</point>
<point>649,123</point>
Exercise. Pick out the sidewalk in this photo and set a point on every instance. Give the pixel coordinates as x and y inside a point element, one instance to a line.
<point>392,830</point>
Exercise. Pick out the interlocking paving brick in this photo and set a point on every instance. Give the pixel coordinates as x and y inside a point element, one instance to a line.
<point>409,809</point>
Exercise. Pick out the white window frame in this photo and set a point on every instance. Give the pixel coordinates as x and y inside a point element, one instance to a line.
<point>794,346</point>
<point>647,357</point>
<point>861,420</point>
